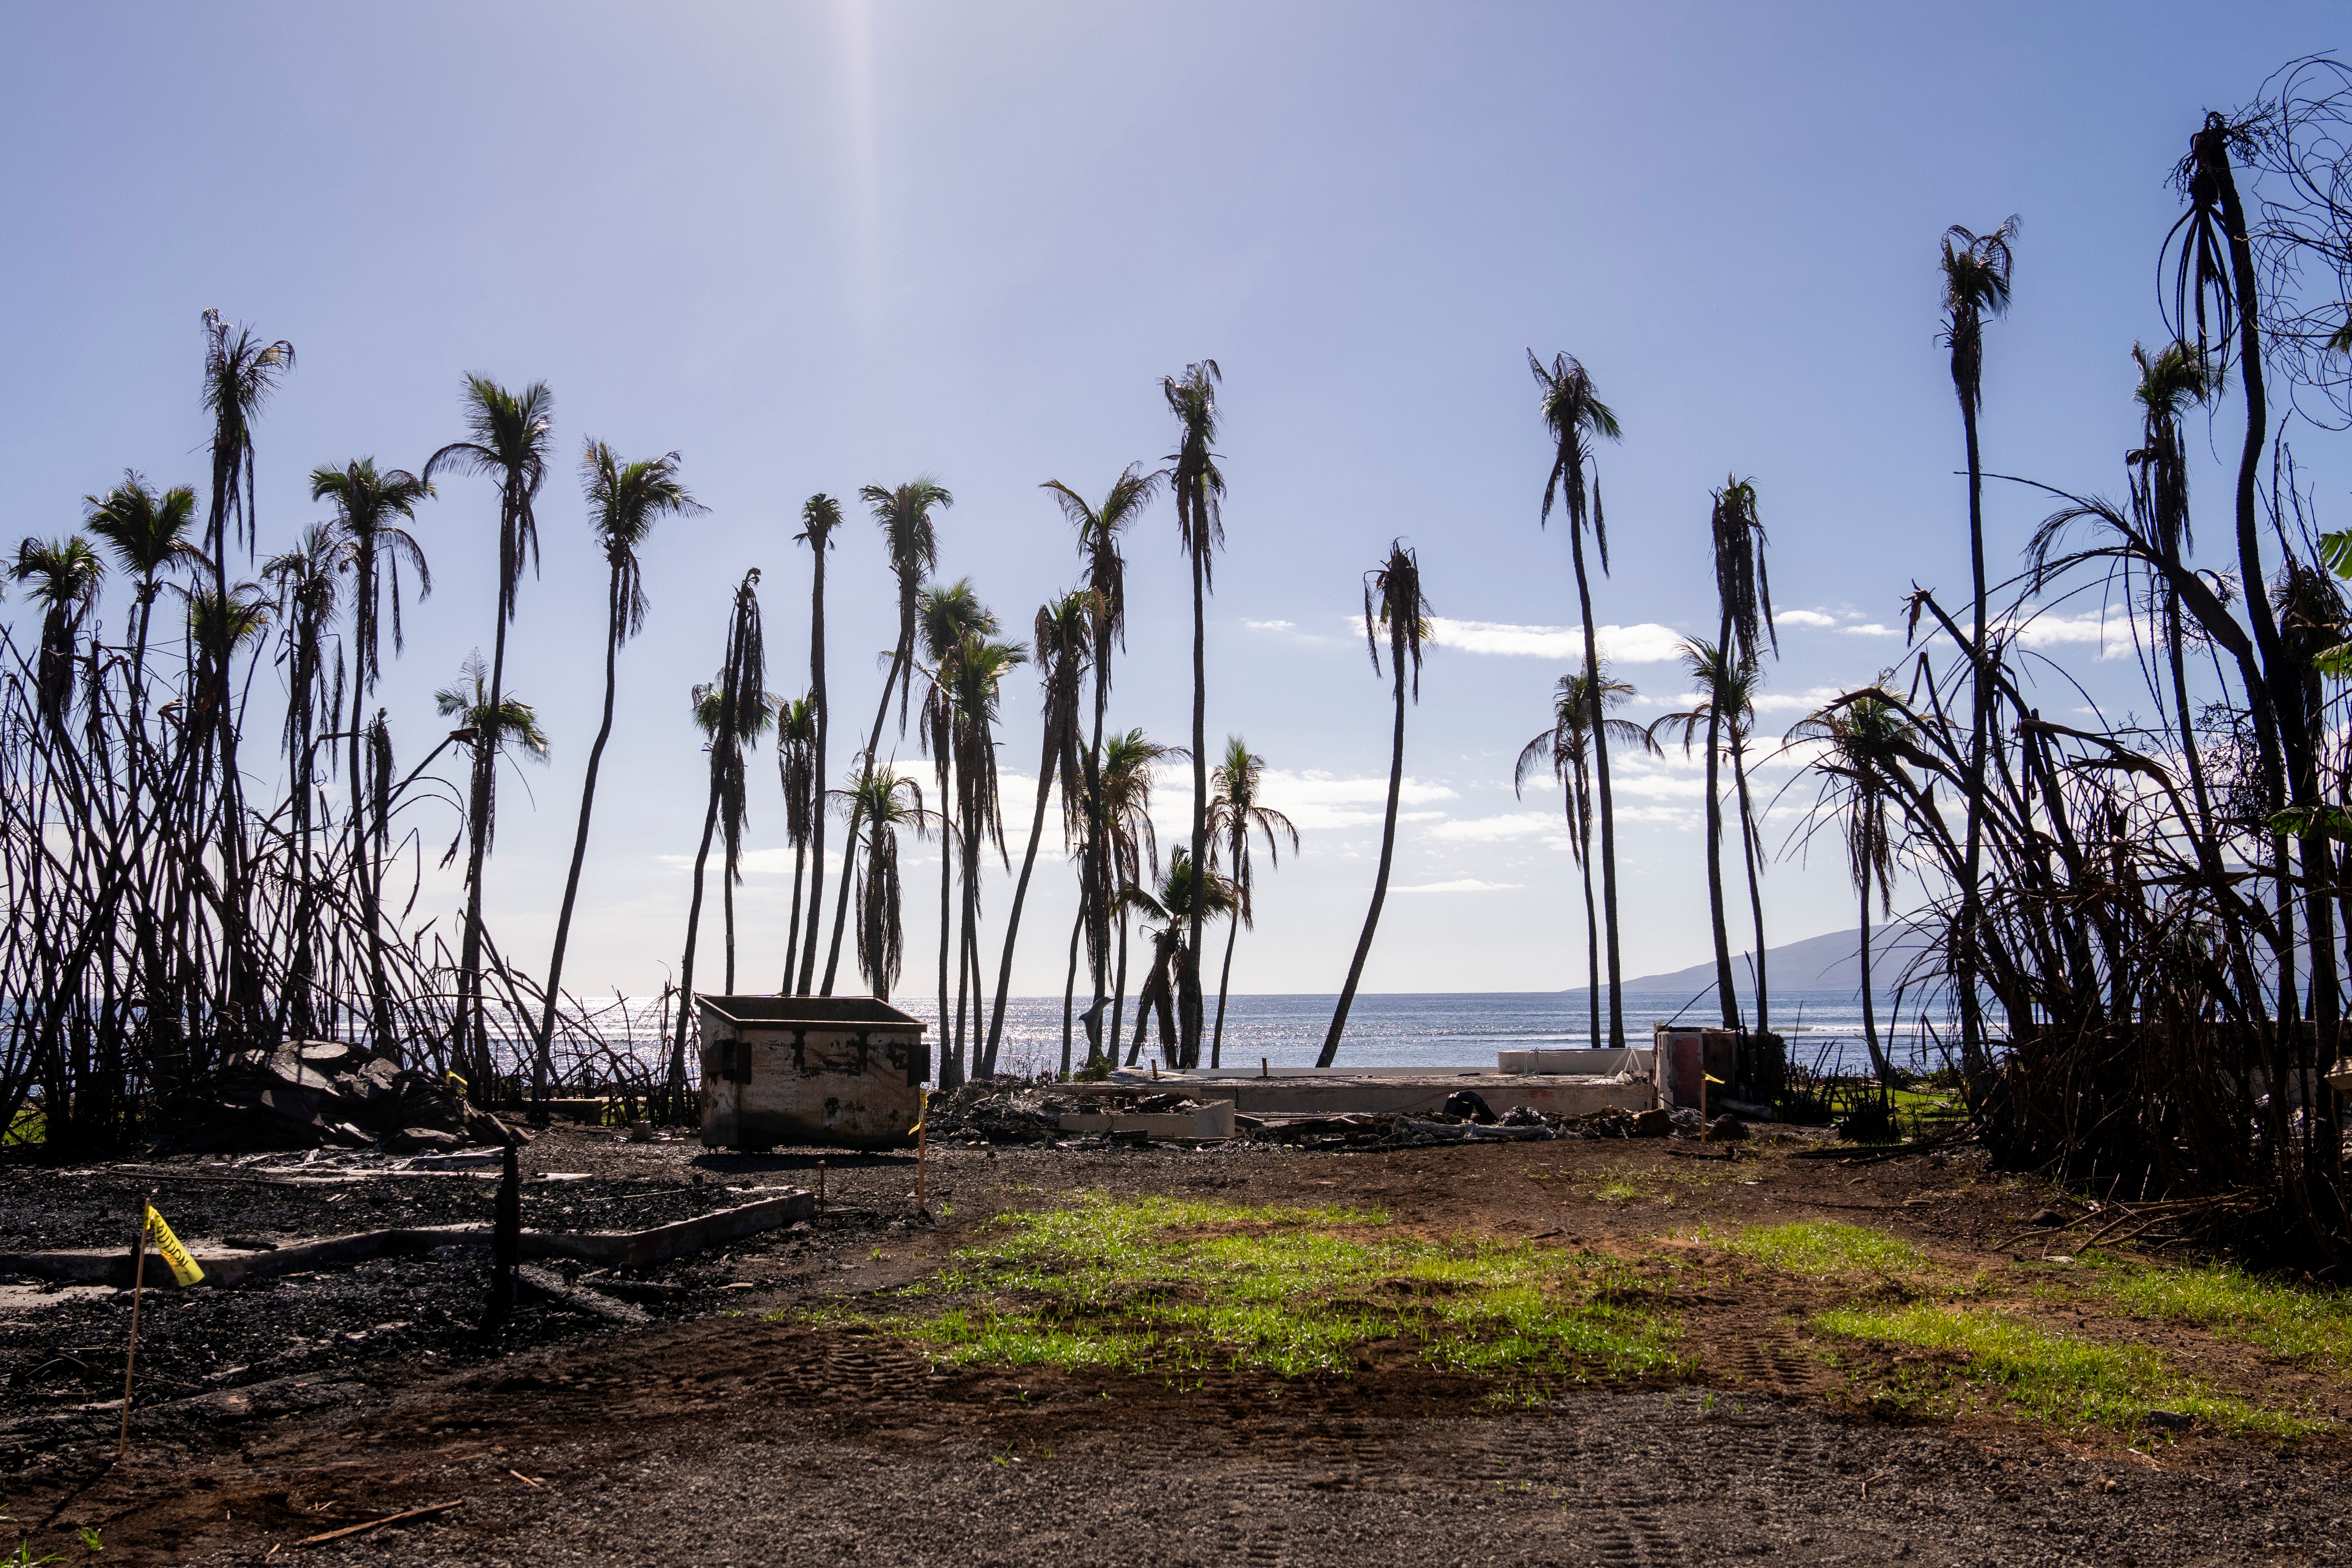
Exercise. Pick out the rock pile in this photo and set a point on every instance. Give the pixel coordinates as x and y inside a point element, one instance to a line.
<point>315,1093</point>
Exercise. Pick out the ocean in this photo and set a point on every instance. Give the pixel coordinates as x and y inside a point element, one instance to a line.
<point>1463,1029</point>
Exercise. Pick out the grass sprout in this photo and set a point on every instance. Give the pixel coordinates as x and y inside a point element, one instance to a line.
<point>1168,1286</point>
<point>1830,1249</point>
<point>2297,1323</point>
<point>2062,1378</point>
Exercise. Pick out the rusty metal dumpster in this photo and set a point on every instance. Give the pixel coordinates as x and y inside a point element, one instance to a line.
<point>842,1071</point>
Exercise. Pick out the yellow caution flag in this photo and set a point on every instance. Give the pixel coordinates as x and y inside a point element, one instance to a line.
<point>184,1267</point>
<point>1711,1078</point>
<point>463,1087</point>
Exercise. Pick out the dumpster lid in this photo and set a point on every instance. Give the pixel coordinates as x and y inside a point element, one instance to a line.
<point>822,1012</point>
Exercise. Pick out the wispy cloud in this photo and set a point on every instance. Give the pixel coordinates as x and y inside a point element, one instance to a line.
<point>1493,830</point>
<point>1870,629</point>
<point>1644,644</point>
<point>1271,626</point>
<point>1804,618</point>
<point>1460,885</point>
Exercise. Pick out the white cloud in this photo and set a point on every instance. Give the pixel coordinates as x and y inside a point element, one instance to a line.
<point>1804,618</point>
<point>2111,635</point>
<point>1870,629</point>
<point>1658,787</point>
<point>1461,884</point>
<point>1271,626</point>
<point>1669,816</point>
<point>1644,644</point>
<point>1490,829</point>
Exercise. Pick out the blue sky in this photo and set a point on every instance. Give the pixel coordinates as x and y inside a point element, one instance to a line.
<point>814,247</point>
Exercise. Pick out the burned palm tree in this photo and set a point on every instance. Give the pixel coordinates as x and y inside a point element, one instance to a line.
<point>508,437</point>
<point>1862,738</point>
<point>308,582</point>
<point>1394,603</point>
<point>625,501</point>
<point>910,535</point>
<point>1975,271</point>
<point>945,617</point>
<point>1566,748</point>
<point>820,516</point>
<point>1576,418</point>
<point>65,575</point>
<point>370,508</point>
<point>1237,810</point>
<point>732,712</point>
<point>1199,488</point>
<point>1129,762</point>
<point>240,373</point>
<point>148,533</point>
<point>796,741</point>
<point>1181,903</point>
<point>1101,527</point>
<point>884,804</point>
<point>488,720</point>
<point>1063,631</point>
<point>1727,684</point>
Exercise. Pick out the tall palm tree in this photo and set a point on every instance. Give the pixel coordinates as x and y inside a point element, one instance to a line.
<point>491,721</point>
<point>820,515</point>
<point>309,579</point>
<point>1861,736</point>
<point>1392,602</point>
<point>1726,683</point>
<point>1200,489</point>
<point>149,536</point>
<point>796,734</point>
<point>1129,762</point>
<point>732,712</point>
<point>979,666</point>
<point>1100,527</point>
<point>1566,748</point>
<point>1182,901</point>
<point>1064,641</point>
<point>240,373</point>
<point>1576,417</point>
<point>1975,271</point>
<point>510,435</point>
<point>910,535</point>
<point>625,501</point>
<point>65,574</point>
<point>885,803</point>
<point>1233,814</point>
<point>945,617</point>
<point>370,508</point>
<point>2171,382</point>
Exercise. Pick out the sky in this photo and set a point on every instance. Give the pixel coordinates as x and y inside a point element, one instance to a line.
<point>810,247</point>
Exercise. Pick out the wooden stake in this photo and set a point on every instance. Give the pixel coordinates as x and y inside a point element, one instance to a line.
<point>130,1356</point>
<point>922,1140</point>
<point>820,1184</point>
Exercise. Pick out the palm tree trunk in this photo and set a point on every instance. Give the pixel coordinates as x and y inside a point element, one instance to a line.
<point>793,933</point>
<point>898,661</point>
<point>1118,995</point>
<point>676,1089</point>
<point>1225,980</point>
<point>727,901</point>
<point>1190,993</point>
<point>1726,991</point>
<point>1013,920</point>
<point>1070,995</point>
<point>1098,865</point>
<point>1750,853</point>
<point>950,1045</point>
<point>1582,828</point>
<point>1599,723</point>
<point>483,798</point>
<point>817,782</point>
<point>1388,855</point>
<point>1972,1048</point>
<point>545,1044</point>
<point>1878,1063</point>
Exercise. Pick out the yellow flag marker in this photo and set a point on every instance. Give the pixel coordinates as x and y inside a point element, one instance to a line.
<point>463,1087</point>
<point>185,1267</point>
<point>1711,1078</point>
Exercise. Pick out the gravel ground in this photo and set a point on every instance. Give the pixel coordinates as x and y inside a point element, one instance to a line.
<point>718,1435</point>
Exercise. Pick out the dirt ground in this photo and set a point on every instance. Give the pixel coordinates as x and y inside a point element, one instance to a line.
<point>721,1435</point>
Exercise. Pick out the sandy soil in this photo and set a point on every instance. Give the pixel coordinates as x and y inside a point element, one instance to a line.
<point>716,1436</point>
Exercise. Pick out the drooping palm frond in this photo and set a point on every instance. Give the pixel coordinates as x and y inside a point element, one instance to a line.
<point>1975,271</point>
<point>1394,604</point>
<point>625,501</point>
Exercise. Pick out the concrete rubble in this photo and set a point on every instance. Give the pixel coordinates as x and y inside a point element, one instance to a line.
<point>318,1093</point>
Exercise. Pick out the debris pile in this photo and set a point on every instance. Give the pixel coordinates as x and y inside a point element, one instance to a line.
<point>321,1093</point>
<point>996,1112</point>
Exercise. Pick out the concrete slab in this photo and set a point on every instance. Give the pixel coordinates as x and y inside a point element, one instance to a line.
<point>1409,1091</point>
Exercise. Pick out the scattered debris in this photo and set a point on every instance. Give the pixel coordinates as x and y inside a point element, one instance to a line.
<point>349,1530</point>
<point>321,1093</point>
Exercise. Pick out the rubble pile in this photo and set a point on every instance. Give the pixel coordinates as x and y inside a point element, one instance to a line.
<point>322,1093</point>
<point>996,1112</point>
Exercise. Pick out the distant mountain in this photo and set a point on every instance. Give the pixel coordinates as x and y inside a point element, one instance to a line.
<point>1829,963</point>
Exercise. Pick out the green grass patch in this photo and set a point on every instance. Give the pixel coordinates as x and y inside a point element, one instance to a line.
<point>29,1127</point>
<point>1160,1285</point>
<point>1830,1250</point>
<point>2065,1379</point>
<point>1617,1189</point>
<point>2309,1326</point>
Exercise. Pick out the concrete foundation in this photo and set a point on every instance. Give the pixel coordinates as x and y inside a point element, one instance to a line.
<point>1624,1085</point>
